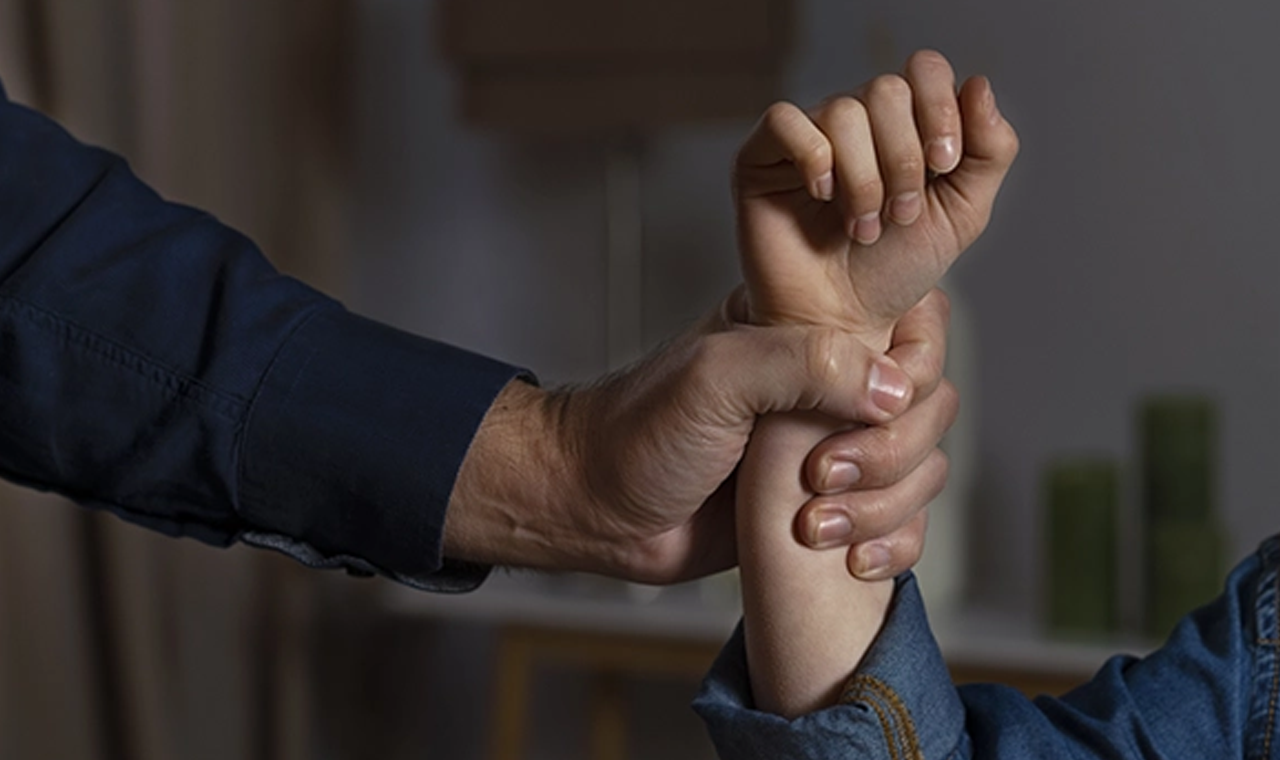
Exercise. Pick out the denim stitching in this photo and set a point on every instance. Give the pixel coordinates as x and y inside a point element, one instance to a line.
<point>855,691</point>
<point>886,727</point>
<point>877,693</point>
<point>852,693</point>
<point>908,727</point>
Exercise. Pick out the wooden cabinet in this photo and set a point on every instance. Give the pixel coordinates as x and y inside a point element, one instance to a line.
<point>628,65</point>
<point>678,634</point>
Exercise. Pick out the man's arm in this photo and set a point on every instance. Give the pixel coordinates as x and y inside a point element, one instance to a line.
<point>156,365</point>
<point>633,476</point>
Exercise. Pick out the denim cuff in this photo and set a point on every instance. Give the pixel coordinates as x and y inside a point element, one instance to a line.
<point>900,703</point>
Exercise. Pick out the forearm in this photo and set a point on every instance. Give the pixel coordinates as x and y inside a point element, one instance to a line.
<point>506,506</point>
<point>158,366</point>
<point>807,621</point>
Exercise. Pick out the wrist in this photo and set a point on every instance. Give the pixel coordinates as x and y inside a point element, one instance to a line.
<point>508,505</point>
<point>807,622</point>
<point>783,441</point>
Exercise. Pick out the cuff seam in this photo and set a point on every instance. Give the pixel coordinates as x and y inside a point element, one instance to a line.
<point>895,719</point>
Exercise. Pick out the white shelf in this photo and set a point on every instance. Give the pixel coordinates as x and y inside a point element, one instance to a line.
<point>690,613</point>
<point>579,603</point>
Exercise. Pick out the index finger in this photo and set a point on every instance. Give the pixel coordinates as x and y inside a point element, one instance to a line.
<point>785,141</point>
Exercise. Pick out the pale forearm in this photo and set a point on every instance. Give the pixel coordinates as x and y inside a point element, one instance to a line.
<point>807,621</point>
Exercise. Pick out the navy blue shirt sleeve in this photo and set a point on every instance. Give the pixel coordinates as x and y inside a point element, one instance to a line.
<point>153,363</point>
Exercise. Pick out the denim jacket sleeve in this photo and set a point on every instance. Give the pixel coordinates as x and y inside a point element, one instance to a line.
<point>1211,691</point>
<point>155,365</point>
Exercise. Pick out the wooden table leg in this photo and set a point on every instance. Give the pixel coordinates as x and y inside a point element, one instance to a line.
<point>511,695</point>
<point>608,718</point>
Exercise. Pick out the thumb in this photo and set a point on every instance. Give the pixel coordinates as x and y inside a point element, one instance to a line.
<point>798,368</point>
<point>990,144</point>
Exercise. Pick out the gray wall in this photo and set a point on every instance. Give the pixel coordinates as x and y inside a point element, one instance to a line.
<point>1133,249</point>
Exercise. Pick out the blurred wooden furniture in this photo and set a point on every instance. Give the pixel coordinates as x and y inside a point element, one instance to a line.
<point>570,66</point>
<point>609,658</point>
<point>678,634</point>
<point>615,72</point>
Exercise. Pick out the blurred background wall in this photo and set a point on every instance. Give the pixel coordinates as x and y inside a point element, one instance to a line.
<point>1132,251</point>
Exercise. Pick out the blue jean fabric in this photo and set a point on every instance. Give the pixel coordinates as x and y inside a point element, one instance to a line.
<point>1212,691</point>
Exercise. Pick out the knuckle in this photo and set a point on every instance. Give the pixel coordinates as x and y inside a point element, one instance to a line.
<point>942,302</point>
<point>694,381</point>
<point>780,115</point>
<point>822,358</point>
<point>922,528</point>
<point>844,111</point>
<point>707,356</point>
<point>941,469</point>
<point>934,359</point>
<point>944,114</point>
<point>972,222</point>
<point>928,60</point>
<point>815,154</point>
<point>868,193</point>
<point>909,166</point>
<point>792,127</point>
<point>888,87</point>
<point>885,456</point>
<point>949,398</point>
<point>876,516</point>
<point>1011,148</point>
<point>908,547</point>
<point>948,394</point>
<point>947,404</point>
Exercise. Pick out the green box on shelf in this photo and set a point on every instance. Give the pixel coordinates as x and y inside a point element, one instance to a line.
<point>1081,533</point>
<point>1179,456</point>
<point>1186,567</point>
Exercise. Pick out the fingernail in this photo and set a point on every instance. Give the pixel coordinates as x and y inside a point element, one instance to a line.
<point>873,562</point>
<point>943,154</point>
<point>833,529</point>
<point>866,229</point>
<point>841,475</point>
<point>905,209</point>
<point>824,188</point>
<point>888,386</point>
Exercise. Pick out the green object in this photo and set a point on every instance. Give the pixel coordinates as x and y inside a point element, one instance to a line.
<point>1185,547</point>
<point>1081,532</point>
<point>1179,467</point>
<point>1186,564</point>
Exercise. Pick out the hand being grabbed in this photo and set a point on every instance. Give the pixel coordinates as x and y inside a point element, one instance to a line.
<point>849,213</point>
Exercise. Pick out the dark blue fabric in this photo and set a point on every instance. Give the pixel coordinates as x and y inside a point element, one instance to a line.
<point>153,363</point>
